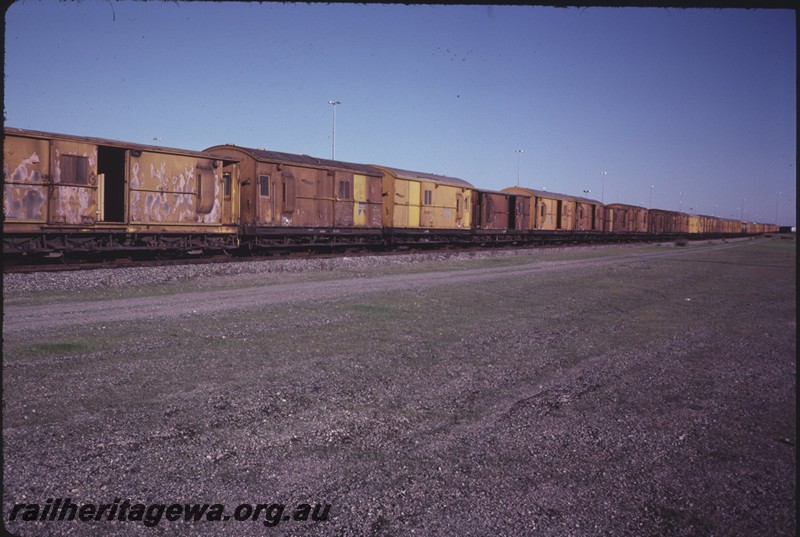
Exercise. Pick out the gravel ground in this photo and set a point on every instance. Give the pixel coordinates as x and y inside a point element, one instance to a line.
<point>20,283</point>
<point>625,391</point>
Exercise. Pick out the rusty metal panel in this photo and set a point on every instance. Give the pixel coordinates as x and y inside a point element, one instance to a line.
<point>547,214</point>
<point>588,216</point>
<point>549,211</point>
<point>641,220</point>
<point>289,192</point>
<point>343,206</point>
<point>522,213</point>
<point>313,205</point>
<point>467,217</point>
<point>73,196</point>
<point>230,194</point>
<point>622,218</point>
<point>567,214</point>
<point>627,218</point>
<point>324,184</point>
<point>264,195</point>
<point>608,219</point>
<point>500,211</point>
<point>618,219</point>
<point>492,210</point>
<point>599,217</point>
<point>26,172</point>
<point>304,190</point>
<point>683,223</point>
<point>662,221</point>
<point>174,189</point>
<point>374,196</point>
<point>207,189</point>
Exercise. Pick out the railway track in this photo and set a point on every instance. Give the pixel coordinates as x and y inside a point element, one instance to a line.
<point>75,262</point>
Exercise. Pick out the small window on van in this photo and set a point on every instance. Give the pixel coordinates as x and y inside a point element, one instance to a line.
<point>428,197</point>
<point>74,169</point>
<point>344,190</point>
<point>226,185</point>
<point>263,181</point>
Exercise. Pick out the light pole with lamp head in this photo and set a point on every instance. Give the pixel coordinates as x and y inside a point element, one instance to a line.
<point>603,188</point>
<point>333,148</point>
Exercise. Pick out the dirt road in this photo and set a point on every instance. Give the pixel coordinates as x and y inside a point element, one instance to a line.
<point>187,300</point>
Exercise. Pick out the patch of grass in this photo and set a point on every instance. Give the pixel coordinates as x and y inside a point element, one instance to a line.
<point>60,348</point>
<point>370,308</point>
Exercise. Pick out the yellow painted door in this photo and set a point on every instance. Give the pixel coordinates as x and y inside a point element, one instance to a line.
<point>360,205</point>
<point>414,202</point>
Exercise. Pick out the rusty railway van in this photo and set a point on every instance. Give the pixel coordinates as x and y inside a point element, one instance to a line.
<point>707,225</point>
<point>500,212</point>
<point>758,228</point>
<point>589,215</point>
<point>730,226</point>
<point>64,192</point>
<point>420,206</point>
<point>693,224</point>
<point>662,221</point>
<point>623,218</point>
<point>289,199</point>
<point>549,211</point>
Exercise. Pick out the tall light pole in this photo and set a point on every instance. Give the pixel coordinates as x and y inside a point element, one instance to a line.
<point>680,209</point>
<point>519,157</point>
<point>650,205</point>
<point>333,149</point>
<point>603,188</point>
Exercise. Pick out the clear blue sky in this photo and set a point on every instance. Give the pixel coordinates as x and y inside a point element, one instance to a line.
<point>698,103</point>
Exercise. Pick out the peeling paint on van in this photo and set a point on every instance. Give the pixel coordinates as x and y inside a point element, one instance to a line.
<point>24,202</point>
<point>73,205</point>
<point>24,194</point>
<point>168,193</point>
<point>23,173</point>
